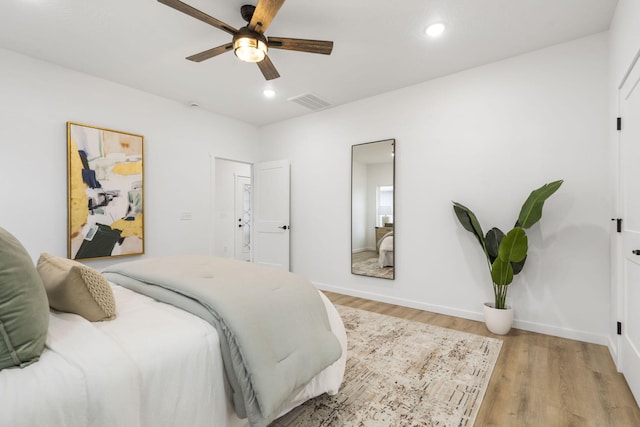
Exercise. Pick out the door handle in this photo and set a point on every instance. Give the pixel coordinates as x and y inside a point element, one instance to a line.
<point>636,251</point>
<point>284,227</point>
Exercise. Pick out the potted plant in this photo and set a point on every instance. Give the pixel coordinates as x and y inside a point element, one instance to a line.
<point>506,254</point>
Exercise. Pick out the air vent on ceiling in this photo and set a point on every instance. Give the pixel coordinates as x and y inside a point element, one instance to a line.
<point>310,101</point>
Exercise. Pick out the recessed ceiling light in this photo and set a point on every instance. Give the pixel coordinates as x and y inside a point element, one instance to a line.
<point>269,93</point>
<point>435,30</point>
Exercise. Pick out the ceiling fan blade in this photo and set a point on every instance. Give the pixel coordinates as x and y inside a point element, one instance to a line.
<point>195,13</point>
<point>268,69</point>
<point>265,11</point>
<point>301,45</point>
<point>210,53</point>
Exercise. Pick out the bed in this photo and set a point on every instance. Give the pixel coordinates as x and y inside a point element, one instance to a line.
<point>385,250</point>
<point>153,364</point>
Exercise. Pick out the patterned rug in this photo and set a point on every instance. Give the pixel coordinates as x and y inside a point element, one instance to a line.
<point>403,373</point>
<point>366,264</point>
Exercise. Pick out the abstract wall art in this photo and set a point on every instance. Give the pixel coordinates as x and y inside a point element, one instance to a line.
<point>105,192</point>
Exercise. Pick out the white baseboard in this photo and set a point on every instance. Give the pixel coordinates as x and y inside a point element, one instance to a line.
<point>402,302</point>
<point>613,350</point>
<point>471,315</point>
<point>366,249</point>
<point>572,334</point>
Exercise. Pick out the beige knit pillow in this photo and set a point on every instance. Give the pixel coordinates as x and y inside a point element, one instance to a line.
<point>73,287</point>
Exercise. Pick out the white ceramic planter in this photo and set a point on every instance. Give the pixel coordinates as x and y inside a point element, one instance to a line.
<point>498,321</point>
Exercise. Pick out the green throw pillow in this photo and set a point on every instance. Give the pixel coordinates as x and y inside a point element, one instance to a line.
<point>24,308</point>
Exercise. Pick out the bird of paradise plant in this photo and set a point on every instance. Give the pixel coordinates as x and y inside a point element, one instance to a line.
<point>506,254</point>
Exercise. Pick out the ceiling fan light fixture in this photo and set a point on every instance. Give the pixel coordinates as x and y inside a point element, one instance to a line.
<point>249,46</point>
<point>249,42</point>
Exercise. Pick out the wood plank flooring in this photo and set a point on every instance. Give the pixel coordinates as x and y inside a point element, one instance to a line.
<point>539,380</point>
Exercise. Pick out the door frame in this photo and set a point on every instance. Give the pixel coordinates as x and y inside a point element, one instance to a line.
<point>213,204</point>
<point>213,201</point>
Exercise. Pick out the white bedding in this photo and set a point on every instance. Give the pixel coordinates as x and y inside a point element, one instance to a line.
<point>154,365</point>
<point>385,259</point>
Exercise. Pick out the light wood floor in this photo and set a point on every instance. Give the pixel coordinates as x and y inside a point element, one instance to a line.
<point>539,380</point>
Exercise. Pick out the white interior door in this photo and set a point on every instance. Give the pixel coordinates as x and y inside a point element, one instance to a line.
<point>629,276</point>
<point>271,213</point>
<point>242,224</point>
<point>225,174</point>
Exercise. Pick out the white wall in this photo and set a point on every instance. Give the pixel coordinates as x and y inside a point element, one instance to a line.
<point>37,100</point>
<point>485,137</point>
<point>623,45</point>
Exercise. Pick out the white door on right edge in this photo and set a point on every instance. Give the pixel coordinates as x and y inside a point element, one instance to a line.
<point>629,286</point>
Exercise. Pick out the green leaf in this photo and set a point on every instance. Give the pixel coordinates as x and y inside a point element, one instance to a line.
<point>531,211</point>
<point>513,247</point>
<point>469,222</point>
<point>501,272</point>
<point>492,241</point>
<point>518,266</point>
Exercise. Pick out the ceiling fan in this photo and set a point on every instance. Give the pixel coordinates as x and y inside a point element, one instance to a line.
<point>249,42</point>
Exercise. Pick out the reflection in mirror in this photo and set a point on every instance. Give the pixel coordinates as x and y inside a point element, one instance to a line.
<point>372,209</point>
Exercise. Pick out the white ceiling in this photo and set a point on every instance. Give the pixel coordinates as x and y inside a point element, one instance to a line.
<point>379,45</point>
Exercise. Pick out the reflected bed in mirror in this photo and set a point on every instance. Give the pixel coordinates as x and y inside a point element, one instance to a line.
<point>372,209</point>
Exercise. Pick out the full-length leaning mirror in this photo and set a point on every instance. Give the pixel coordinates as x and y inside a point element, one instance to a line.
<point>372,209</point>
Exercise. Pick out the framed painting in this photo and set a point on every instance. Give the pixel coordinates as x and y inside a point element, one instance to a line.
<point>105,170</point>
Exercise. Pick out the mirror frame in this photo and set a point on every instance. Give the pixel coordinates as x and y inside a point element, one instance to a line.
<point>393,143</point>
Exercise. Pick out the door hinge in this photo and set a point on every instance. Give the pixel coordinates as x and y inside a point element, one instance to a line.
<point>619,123</point>
<point>618,224</point>
<point>619,326</point>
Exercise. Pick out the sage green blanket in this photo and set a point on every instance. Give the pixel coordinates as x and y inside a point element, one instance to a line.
<point>273,326</point>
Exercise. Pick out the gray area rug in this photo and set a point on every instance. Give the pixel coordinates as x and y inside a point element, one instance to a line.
<point>366,264</point>
<point>403,373</point>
